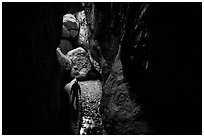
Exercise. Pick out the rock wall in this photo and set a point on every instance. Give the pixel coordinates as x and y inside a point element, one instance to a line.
<point>33,102</point>
<point>73,53</point>
<point>154,51</point>
<point>155,83</point>
<point>121,112</point>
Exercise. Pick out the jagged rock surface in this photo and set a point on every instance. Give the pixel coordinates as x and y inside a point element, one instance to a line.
<point>80,59</point>
<point>119,110</point>
<point>70,26</point>
<point>83,31</point>
<point>110,23</point>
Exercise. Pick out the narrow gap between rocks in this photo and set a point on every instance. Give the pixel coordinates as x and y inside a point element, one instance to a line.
<point>74,55</point>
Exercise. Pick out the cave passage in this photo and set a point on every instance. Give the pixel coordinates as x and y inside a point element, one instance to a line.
<point>74,54</point>
<point>91,68</point>
<point>91,117</point>
<point>127,95</point>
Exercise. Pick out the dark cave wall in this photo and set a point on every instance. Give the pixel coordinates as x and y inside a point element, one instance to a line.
<point>33,102</point>
<point>174,77</point>
<point>120,107</point>
<point>106,25</point>
<point>172,83</point>
<point>170,41</point>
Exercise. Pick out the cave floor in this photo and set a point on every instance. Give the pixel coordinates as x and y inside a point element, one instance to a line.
<point>91,94</point>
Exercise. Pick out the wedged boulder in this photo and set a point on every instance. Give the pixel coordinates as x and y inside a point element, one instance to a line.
<point>80,58</point>
<point>84,62</point>
<point>70,26</point>
<point>77,58</point>
<point>70,22</point>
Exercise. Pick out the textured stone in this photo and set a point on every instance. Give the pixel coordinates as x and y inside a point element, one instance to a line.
<point>70,22</point>
<point>119,110</point>
<point>80,58</point>
<point>70,26</point>
<point>95,64</point>
<point>83,32</point>
<point>74,72</point>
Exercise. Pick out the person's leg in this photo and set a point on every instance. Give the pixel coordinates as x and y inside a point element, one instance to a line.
<point>77,100</point>
<point>75,106</point>
<point>73,98</point>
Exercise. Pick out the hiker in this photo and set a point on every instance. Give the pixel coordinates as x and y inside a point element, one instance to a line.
<point>73,73</point>
<point>74,92</point>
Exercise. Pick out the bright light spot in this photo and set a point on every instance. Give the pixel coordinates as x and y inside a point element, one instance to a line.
<point>83,32</point>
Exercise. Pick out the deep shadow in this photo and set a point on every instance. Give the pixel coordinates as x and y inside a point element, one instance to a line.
<point>170,88</point>
<point>33,99</point>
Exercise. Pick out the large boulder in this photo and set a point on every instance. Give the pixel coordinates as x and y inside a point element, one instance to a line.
<point>70,26</point>
<point>80,58</point>
<point>84,63</point>
<point>70,22</point>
